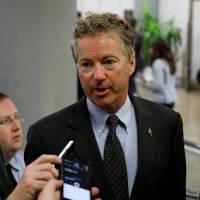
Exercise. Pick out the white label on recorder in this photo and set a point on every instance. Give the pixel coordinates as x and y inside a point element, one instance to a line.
<point>75,193</point>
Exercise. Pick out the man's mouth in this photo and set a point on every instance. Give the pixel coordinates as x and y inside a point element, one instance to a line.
<point>17,137</point>
<point>100,91</point>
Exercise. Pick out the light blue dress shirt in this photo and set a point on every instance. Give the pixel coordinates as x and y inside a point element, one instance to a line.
<point>18,165</point>
<point>127,135</point>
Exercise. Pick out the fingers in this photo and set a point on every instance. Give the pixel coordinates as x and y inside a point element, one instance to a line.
<point>42,168</point>
<point>51,190</point>
<point>38,173</point>
<point>36,176</point>
<point>58,184</point>
<point>46,168</point>
<point>95,193</point>
<point>53,159</point>
<point>55,184</point>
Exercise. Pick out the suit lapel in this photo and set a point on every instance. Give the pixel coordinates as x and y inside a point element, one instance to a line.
<point>146,143</point>
<point>86,148</point>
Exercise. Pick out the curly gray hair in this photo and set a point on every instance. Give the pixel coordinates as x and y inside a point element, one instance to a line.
<point>96,24</point>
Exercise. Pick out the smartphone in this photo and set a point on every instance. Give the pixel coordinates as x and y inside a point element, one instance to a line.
<point>75,176</point>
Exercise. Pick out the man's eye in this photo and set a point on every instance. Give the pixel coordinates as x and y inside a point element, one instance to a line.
<point>108,62</point>
<point>86,64</point>
<point>4,121</point>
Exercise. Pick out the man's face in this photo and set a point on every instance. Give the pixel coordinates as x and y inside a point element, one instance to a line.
<point>104,69</point>
<point>10,133</point>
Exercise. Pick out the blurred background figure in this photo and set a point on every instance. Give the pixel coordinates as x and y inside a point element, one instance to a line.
<point>11,137</point>
<point>163,84</point>
<point>139,57</point>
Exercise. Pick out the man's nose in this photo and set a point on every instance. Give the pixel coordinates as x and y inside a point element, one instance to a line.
<point>99,72</point>
<point>16,125</point>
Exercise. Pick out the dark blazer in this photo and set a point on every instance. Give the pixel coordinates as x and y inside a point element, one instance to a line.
<point>161,169</point>
<point>5,185</point>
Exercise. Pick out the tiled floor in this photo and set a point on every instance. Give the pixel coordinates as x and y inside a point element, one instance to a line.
<point>188,105</point>
<point>193,171</point>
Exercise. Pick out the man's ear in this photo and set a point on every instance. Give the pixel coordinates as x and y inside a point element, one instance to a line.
<point>132,62</point>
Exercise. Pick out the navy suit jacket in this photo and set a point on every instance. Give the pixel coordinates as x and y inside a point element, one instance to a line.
<point>161,171</point>
<point>5,185</point>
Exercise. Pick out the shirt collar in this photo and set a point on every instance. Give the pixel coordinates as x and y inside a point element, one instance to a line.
<point>124,113</point>
<point>13,162</point>
<point>99,116</point>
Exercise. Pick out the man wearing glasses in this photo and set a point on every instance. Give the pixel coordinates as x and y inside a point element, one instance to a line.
<point>11,138</point>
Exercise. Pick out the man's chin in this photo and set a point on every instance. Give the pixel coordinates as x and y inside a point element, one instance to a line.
<point>17,146</point>
<point>101,102</point>
<point>107,106</point>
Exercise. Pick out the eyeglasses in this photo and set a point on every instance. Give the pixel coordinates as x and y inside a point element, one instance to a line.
<point>9,120</point>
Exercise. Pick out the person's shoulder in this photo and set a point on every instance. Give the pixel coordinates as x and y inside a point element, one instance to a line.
<point>60,116</point>
<point>160,63</point>
<point>149,106</point>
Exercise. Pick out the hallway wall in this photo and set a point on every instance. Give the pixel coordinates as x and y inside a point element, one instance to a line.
<point>100,6</point>
<point>179,10</point>
<point>36,66</point>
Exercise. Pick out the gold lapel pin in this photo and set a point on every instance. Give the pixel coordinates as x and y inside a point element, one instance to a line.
<point>149,132</point>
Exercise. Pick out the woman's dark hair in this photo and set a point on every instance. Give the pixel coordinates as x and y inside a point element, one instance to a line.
<point>162,50</point>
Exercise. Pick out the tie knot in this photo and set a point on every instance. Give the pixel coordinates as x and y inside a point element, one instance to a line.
<point>9,166</point>
<point>112,122</point>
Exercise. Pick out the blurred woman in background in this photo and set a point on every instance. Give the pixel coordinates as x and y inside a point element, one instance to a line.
<point>163,83</point>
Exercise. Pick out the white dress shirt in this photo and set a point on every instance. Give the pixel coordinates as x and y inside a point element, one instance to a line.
<point>18,165</point>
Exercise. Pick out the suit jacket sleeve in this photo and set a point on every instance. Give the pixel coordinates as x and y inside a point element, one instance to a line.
<point>178,183</point>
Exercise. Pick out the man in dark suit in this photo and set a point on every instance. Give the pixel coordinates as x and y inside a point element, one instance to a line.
<point>146,137</point>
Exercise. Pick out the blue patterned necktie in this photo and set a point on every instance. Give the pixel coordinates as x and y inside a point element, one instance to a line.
<point>114,162</point>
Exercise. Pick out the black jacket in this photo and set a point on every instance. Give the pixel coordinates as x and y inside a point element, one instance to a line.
<point>5,185</point>
<point>161,169</point>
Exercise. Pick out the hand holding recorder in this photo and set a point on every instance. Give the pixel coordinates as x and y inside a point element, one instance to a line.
<point>76,179</point>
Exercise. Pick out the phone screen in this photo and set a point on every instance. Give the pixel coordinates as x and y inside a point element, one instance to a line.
<point>75,176</point>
